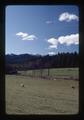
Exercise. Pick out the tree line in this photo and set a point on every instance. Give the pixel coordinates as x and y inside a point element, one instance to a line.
<point>27,61</point>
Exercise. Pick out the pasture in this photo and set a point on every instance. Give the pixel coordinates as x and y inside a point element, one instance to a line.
<point>43,96</point>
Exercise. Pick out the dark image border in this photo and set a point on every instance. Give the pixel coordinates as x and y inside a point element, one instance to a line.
<point>3,114</point>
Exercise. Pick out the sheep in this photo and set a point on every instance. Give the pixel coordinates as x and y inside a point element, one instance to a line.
<point>22,85</point>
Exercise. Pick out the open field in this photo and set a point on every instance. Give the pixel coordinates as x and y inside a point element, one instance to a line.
<point>41,96</point>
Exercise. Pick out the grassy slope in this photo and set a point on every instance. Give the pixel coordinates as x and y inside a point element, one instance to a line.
<point>40,96</point>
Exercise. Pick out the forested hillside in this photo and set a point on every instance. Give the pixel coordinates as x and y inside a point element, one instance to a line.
<point>27,61</point>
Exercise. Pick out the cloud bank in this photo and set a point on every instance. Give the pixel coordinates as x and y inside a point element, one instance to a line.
<point>26,36</point>
<point>68,17</point>
<point>68,40</point>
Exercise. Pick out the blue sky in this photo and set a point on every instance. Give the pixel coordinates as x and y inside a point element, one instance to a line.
<point>41,29</point>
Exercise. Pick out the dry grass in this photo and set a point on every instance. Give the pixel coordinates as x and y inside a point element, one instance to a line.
<point>39,96</point>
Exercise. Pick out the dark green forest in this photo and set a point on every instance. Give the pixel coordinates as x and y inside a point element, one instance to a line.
<point>29,62</point>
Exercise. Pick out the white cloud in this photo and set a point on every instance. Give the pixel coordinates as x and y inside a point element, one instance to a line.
<point>53,42</point>
<point>22,34</point>
<point>25,36</point>
<point>30,37</point>
<point>48,22</point>
<point>68,17</point>
<point>67,40</point>
<point>53,46</point>
<point>51,53</point>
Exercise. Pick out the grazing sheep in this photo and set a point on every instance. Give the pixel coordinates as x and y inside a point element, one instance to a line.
<point>22,85</point>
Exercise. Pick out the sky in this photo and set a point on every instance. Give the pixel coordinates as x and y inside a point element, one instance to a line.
<point>41,29</point>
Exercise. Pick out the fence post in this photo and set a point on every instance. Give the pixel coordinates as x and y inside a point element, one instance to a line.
<point>48,71</point>
<point>33,71</point>
<point>41,71</point>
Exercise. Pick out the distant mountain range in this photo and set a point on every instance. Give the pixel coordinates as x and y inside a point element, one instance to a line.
<point>28,61</point>
<point>19,59</point>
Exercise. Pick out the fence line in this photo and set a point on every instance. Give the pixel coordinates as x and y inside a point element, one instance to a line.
<point>36,72</point>
<point>51,73</point>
